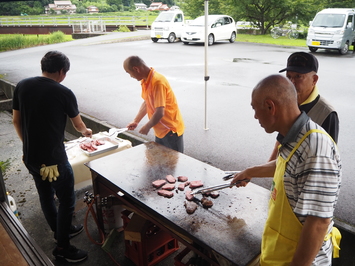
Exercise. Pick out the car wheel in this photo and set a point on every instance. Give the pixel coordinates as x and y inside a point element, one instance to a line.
<point>233,36</point>
<point>185,42</point>
<point>154,39</point>
<point>171,37</point>
<point>313,49</point>
<point>345,49</point>
<point>210,39</point>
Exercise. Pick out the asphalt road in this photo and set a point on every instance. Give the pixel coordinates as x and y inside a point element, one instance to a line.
<point>234,140</point>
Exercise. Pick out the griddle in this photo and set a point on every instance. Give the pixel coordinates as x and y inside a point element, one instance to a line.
<point>231,229</point>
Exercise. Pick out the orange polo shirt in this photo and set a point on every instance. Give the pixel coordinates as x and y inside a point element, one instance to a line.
<point>156,92</point>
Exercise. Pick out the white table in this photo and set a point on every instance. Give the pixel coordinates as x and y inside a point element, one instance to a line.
<point>77,158</point>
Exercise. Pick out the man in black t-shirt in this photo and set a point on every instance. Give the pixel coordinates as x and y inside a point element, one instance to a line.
<point>41,106</point>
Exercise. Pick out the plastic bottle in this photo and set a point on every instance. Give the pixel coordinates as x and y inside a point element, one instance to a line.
<point>12,204</point>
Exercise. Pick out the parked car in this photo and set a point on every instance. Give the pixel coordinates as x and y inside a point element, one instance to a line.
<point>333,29</point>
<point>220,27</point>
<point>168,25</point>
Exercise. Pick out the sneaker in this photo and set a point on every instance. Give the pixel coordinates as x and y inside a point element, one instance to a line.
<point>70,254</point>
<point>74,231</point>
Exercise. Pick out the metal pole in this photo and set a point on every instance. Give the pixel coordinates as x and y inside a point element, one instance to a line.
<point>206,60</point>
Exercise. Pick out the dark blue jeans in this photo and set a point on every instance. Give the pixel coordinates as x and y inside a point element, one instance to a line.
<point>58,220</point>
<point>172,141</point>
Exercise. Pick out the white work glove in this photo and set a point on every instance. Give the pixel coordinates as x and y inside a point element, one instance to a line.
<point>50,172</point>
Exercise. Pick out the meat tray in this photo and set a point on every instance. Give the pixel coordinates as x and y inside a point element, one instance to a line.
<point>110,144</point>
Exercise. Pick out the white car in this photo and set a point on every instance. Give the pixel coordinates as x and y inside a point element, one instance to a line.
<point>220,27</point>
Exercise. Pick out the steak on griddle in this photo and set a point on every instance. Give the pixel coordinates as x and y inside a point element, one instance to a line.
<point>170,179</point>
<point>158,183</point>
<point>165,193</point>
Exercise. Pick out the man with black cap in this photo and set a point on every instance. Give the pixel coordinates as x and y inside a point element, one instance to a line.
<point>302,70</point>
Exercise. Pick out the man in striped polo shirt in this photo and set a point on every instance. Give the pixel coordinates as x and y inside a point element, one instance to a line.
<point>307,177</point>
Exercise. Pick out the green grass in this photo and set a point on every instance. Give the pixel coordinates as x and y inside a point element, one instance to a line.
<point>4,166</point>
<point>20,41</point>
<point>267,39</point>
<point>140,17</point>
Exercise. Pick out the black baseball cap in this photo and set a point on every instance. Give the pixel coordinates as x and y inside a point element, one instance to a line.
<point>301,62</point>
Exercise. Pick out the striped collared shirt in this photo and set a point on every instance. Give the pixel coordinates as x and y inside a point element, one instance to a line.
<point>312,177</point>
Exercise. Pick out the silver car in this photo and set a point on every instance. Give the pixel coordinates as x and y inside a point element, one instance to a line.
<point>220,27</point>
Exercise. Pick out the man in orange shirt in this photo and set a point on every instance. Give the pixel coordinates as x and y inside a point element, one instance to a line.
<point>159,103</point>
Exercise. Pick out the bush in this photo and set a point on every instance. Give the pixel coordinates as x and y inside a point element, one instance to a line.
<point>123,28</point>
<point>303,33</point>
<point>4,166</point>
<point>19,41</point>
<point>56,37</point>
<point>80,10</point>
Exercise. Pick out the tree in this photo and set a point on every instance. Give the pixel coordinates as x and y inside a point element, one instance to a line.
<point>114,2</point>
<point>265,14</point>
<point>195,8</point>
<point>340,4</point>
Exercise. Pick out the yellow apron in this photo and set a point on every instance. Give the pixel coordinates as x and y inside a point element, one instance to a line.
<point>282,229</point>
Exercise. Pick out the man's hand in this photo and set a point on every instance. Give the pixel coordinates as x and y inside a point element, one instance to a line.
<point>240,176</point>
<point>50,172</point>
<point>144,130</point>
<point>132,125</point>
<point>87,133</point>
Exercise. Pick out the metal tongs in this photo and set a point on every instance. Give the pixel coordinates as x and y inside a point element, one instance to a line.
<point>220,186</point>
<point>113,132</point>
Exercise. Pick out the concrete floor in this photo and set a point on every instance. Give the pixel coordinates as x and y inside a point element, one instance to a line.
<point>21,186</point>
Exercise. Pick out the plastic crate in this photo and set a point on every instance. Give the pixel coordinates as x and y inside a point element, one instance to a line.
<point>142,254</point>
<point>125,217</point>
<point>155,244</point>
<point>182,259</point>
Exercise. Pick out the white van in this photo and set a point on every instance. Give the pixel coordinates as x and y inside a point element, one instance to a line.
<point>168,25</point>
<point>332,28</point>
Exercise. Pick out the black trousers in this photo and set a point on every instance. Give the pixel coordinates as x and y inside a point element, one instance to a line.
<point>172,141</point>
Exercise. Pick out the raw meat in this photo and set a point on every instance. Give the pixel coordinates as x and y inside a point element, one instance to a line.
<point>168,186</point>
<point>196,184</point>
<point>88,146</point>
<point>91,145</point>
<point>98,142</point>
<point>170,179</point>
<point>165,193</point>
<point>158,183</point>
<point>188,195</point>
<point>183,185</point>
<point>182,178</point>
<point>190,207</point>
<point>206,203</point>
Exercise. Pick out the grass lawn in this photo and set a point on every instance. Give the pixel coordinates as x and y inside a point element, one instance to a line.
<point>269,40</point>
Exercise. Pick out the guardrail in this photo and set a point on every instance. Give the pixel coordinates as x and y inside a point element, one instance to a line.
<point>56,21</point>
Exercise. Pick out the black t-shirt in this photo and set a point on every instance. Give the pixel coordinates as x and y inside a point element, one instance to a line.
<point>44,105</point>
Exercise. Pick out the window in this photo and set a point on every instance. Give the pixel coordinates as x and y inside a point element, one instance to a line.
<point>350,21</point>
<point>226,20</point>
<point>178,18</point>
